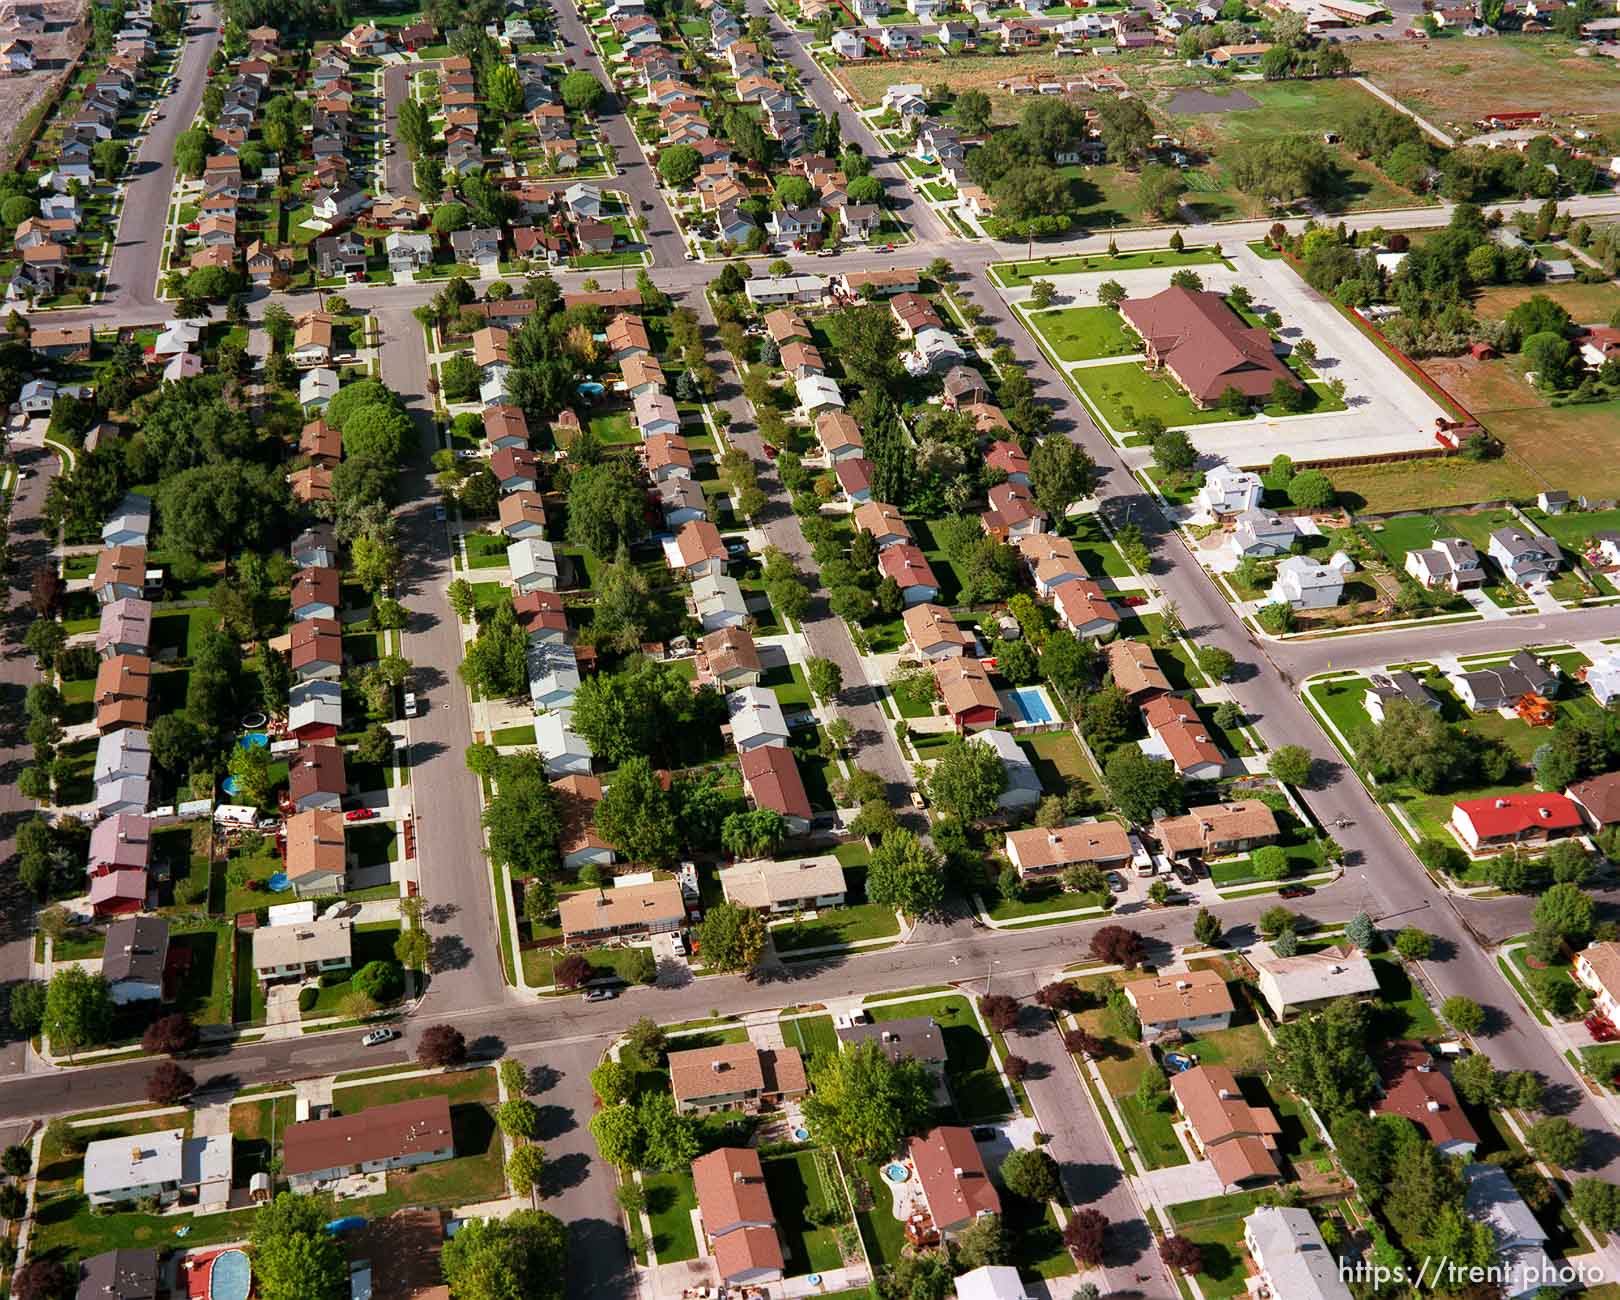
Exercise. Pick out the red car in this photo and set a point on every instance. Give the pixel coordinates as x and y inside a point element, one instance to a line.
<point>359,815</point>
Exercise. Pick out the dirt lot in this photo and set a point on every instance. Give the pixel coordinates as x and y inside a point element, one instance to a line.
<point>1455,80</point>
<point>54,49</point>
<point>1484,386</point>
<point>1589,304</point>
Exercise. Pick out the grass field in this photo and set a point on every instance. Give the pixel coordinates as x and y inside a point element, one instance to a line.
<point>670,1202</point>
<point>1569,446</point>
<point>1015,275</point>
<point>1082,333</point>
<point>795,1186</point>
<point>1589,304</point>
<point>1431,484</point>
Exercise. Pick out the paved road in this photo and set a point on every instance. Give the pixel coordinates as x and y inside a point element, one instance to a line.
<point>399,178</point>
<point>30,549</point>
<point>455,876</point>
<point>138,249</point>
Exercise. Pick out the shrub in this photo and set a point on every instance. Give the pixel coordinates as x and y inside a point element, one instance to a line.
<point>306,999</point>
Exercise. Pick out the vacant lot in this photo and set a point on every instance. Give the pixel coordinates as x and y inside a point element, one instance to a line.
<point>1571,447</point>
<point>1482,386</point>
<point>1589,304</point>
<point>1455,81</point>
<point>1420,484</point>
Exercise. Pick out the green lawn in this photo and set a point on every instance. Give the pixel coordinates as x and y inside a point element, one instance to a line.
<point>975,1083</point>
<point>883,1234</point>
<point>670,1202</point>
<point>1403,1010</point>
<point>1221,1241</point>
<point>373,941</point>
<point>1037,1251</point>
<point>1015,275</point>
<point>1085,333</point>
<point>788,681</point>
<point>796,1185</point>
<point>486,550</point>
<point>373,843</point>
<point>1153,1131</point>
<point>840,925</point>
<point>1095,549</point>
<point>811,1035</point>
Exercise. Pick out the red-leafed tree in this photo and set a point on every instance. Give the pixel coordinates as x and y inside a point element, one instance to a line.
<point>1119,946</point>
<point>1182,1255</point>
<point>1060,995</point>
<point>441,1045</point>
<point>1000,1011</point>
<point>168,1084</point>
<point>1085,1235</point>
<point>170,1035</point>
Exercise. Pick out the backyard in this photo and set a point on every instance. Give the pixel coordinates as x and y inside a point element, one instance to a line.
<point>975,1082</point>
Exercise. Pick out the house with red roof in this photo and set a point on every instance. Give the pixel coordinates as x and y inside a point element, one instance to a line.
<point>910,569</point>
<point>771,777</point>
<point>955,1185</point>
<point>1415,1088</point>
<point>1205,346</point>
<point>1484,825</point>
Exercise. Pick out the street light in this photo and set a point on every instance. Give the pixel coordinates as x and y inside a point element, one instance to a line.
<point>989,974</point>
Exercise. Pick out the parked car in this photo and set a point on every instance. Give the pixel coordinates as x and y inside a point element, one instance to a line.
<point>1295,891</point>
<point>359,815</point>
<point>601,995</point>
<point>1116,882</point>
<point>377,1036</point>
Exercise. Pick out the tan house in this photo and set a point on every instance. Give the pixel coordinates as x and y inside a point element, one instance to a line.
<point>317,859</point>
<point>805,884</point>
<point>933,633</point>
<point>1135,671</point>
<point>735,1076</point>
<point>630,910</point>
<point>1217,830</point>
<point>1238,1140</point>
<point>1192,1002</point>
<point>730,658</point>
<point>1039,852</point>
<point>1597,967</point>
<point>738,1220</point>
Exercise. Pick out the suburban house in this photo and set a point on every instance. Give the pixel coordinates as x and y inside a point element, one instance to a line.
<point>167,1167</point>
<point>123,692</point>
<point>738,1221</point>
<point>1385,688</point>
<point>839,435</point>
<point>1193,1002</point>
<point>317,858</point>
<point>1290,1257</point>
<point>316,547</point>
<point>884,522</point>
<point>129,523</point>
<point>1052,561</point>
<point>1039,851</point>
<point>581,843</point>
<point>912,573</point>
<point>1503,685</point>
<point>1176,732</point>
<point>1238,1140</point>
<point>315,649</point>
<point>400,1135</point>
<point>302,951</point>
<point>1205,346</point>
<point>1134,670</point>
<point>1013,513</point>
<point>317,778</point>
<point>1424,1095</point>
<point>1302,583</point>
<point>1230,491</point>
<point>1023,788</point>
<point>314,710</point>
<point>516,469</point>
<point>126,1273</point>
<point>1597,967</point>
<point>991,1281</point>
<point>696,551</point>
<point>1531,819</point>
<point>771,777</point>
<point>542,615</point>
<point>522,515</point>
<point>559,746</point>
<point>917,1037</point>
<point>316,593</point>
<point>1490,1197</point>
<point>1598,799</point>
<point>1451,563</point>
<point>729,658</point>
<point>532,562</point>
<point>1526,559</point>
<point>1217,830</point>
<point>1310,980</point>
<point>756,718</point>
<point>120,574</point>
<point>951,1175</point>
<point>934,634</point>
<point>1603,678</point>
<point>734,1076</point>
<point>591,915</point>
<point>717,602</point>
<point>553,668</point>
<point>964,686</point>
<point>122,841</point>
<point>126,628</point>
<point>134,959</point>
<point>799,885</point>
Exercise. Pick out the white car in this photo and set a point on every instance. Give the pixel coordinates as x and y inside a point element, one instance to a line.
<point>377,1036</point>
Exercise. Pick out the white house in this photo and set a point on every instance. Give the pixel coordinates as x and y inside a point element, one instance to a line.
<point>1023,788</point>
<point>1292,1259</point>
<point>817,394</point>
<point>583,201</point>
<point>1521,1242</point>
<point>991,1282</point>
<point>1526,559</point>
<point>1304,584</point>
<point>130,522</point>
<point>533,565</point>
<point>553,674</point>
<point>1306,981</point>
<point>1603,678</point>
<point>162,1166</point>
<point>717,601</point>
<point>1230,491</point>
<point>318,387</point>
<point>1451,562</point>
<point>756,718</point>
<point>562,750</point>
<point>848,44</point>
<point>409,250</point>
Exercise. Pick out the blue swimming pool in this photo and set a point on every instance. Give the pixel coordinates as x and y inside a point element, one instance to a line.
<point>230,1276</point>
<point>255,740</point>
<point>231,785</point>
<point>1029,703</point>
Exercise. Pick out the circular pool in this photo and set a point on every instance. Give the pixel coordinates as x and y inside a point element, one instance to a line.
<point>801,1135</point>
<point>254,740</point>
<point>254,721</point>
<point>896,1172</point>
<point>230,785</point>
<point>230,1276</point>
<point>278,883</point>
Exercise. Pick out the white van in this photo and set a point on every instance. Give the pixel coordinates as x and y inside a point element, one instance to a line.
<point>410,704</point>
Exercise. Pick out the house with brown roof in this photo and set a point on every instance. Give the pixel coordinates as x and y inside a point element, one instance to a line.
<point>913,312</point>
<point>581,843</point>
<point>1598,798</point>
<point>782,887</point>
<point>1176,732</point>
<point>316,649</point>
<point>933,633</point>
<point>627,337</point>
<point>317,778</point>
<point>120,574</point>
<point>802,360</point>
<point>1217,830</point>
<point>312,343</point>
<point>625,911</point>
<point>839,435</point>
<point>1192,1002</point>
<point>696,551</point>
<point>771,777</point>
<point>321,443</point>
<point>735,1076</point>
<point>738,1221</point>
<point>1132,668</point>
<point>1238,1140</point>
<point>311,483</point>
<point>317,858</point>
<point>123,692</point>
<point>952,1178</point>
<point>1416,1089</point>
<point>1083,608</point>
<point>641,374</point>
<point>1042,852</point>
<point>667,457</point>
<point>1205,346</point>
<point>969,697</point>
<point>730,659</point>
<point>1597,967</point>
<point>402,1135</point>
<point>785,327</point>
<point>505,425</point>
<point>541,615</point>
<point>909,568</point>
<point>884,522</point>
<point>316,593</point>
<point>522,514</point>
<point>1013,512</point>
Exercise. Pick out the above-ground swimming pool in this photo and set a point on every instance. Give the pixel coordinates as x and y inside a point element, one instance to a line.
<point>801,1135</point>
<point>278,883</point>
<point>254,740</point>
<point>230,785</point>
<point>1029,703</point>
<point>590,388</point>
<point>254,721</point>
<point>896,1173</point>
<point>1178,1061</point>
<point>230,1276</point>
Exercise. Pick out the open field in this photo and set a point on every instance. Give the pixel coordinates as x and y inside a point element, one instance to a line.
<point>1483,386</point>
<point>1454,82</point>
<point>1081,333</point>
<point>1427,484</point>
<point>1589,304</point>
<point>1569,447</point>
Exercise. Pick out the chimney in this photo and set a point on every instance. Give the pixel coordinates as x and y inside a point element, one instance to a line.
<point>1183,985</point>
<point>1226,1094</point>
<point>1501,803</point>
<point>737,1176</point>
<point>957,1173</point>
<point>1432,1106</point>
